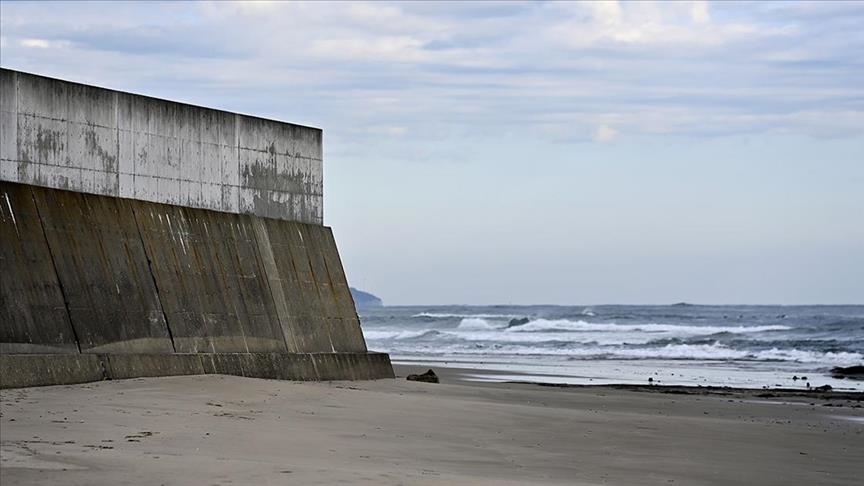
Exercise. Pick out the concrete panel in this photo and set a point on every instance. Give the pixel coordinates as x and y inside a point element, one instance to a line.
<point>8,121</point>
<point>250,288</point>
<point>261,365</point>
<point>331,366</point>
<point>342,320</point>
<point>91,106</point>
<point>213,291</point>
<point>33,317</point>
<point>21,370</point>
<point>42,96</point>
<point>296,282</point>
<point>8,91</point>
<point>298,367</point>
<point>318,305</point>
<point>41,141</point>
<point>8,170</point>
<point>379,365</point>
<point>339,283</point>
<point>224,363</point>
<point>123,366</point>
<point>176,257</point>
<point>71,136</point>
<point>352,366</point>
<point>278,366</point>
<point>102,267</point>
<point>274,280</point>
<point>193,296</point>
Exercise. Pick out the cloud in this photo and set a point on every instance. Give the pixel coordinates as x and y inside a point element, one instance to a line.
<point>380,49</point>
<point>699,13</point>
<point>680,24</point>
<point>604,133</point>
<point>466,70</point>
<point>43,43</point>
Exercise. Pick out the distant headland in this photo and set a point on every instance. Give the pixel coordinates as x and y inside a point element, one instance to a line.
<point>365,299</point>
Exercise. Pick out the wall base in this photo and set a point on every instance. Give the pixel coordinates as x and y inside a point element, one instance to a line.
<point>24,370</point>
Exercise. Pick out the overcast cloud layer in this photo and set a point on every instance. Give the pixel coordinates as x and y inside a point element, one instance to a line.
<point>530,152</point>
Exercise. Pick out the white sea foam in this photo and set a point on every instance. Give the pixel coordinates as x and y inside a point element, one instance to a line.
<point>704,352</point>
<point>478,323</point>
<point>720,352</point>
<point>440,315</point>
<point>381,335</point>
<point>800,356</point>
<point>582,326</point>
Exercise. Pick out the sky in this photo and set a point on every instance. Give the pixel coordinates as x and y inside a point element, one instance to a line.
<point>530,153</point>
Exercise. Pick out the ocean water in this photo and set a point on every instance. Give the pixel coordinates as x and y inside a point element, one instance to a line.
<point>742,346</point>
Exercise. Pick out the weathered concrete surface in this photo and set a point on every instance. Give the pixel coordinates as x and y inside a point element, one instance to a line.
<point>132,281</point>
<point>72,136</point>
<point>148,232</point>
<point>101,265</point>
<point>32,310</point>
<point>22,370</point>
<point>124,366</point>
<point>212,289</point>
<point>306,274</point>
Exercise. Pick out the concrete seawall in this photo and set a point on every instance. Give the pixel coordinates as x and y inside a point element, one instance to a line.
<point>142,237</point>
<point>160,288</point>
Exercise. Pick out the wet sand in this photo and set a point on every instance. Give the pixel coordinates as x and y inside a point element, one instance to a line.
<point>230,430</point>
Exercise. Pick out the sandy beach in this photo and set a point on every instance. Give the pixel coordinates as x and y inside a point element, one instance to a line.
<point>229,430</point>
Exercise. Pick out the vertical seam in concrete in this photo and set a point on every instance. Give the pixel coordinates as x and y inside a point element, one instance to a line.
<point>68,129</point>
<point>153,276</point>
<point>238,274</point>
<point>321,222</point>
<point>201,160</point>
<point>117,126</point>
<point>56,273</point>
<point>237,155</point>
<point>320,300</point>
<point>220,273</point>
<point>332,296</point>
<point>133,153</point>
<point>258,245</point>
<point>17,130</point>
<point>314,366</point>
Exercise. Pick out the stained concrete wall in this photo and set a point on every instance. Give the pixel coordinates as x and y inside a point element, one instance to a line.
<point>82,138</point>
<point>109,275</point>
<point>21,370</point>
<point>33,314</point>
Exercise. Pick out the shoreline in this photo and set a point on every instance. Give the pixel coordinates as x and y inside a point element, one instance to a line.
<point>460,375</point>
<point>637,373</point>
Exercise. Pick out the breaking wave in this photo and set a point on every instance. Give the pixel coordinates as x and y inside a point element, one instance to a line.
<point>478,323</point>
<point>440,315</point>
<point>397,335</point>
<point>582,326</point>
<point>695,352</point>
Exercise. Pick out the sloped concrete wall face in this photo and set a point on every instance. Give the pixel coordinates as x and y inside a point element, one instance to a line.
<point>108,275</point>
<point>33,312</point>
<point>82,138</point>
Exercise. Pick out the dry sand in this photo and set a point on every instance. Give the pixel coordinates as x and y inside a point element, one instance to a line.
<point>229,430</point>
